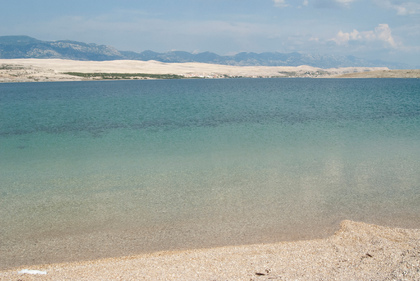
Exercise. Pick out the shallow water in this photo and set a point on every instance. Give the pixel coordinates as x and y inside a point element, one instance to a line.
<point>97,169</point>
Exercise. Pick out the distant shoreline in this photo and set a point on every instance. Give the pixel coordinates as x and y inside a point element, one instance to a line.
<point>42,70</point>
<point>395,73</point>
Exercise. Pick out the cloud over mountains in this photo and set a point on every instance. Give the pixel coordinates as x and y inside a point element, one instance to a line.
<point>381,33</point>
<point>369,29</point>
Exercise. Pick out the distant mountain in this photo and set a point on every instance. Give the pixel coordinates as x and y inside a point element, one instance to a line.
<point>262,59</point>
<point>12,47</point>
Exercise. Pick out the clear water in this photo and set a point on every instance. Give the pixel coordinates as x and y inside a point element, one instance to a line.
<point>98,169</point>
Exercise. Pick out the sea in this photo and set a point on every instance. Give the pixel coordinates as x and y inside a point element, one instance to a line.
<point>102,169</point>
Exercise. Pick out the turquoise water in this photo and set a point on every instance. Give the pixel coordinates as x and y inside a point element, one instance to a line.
<point>98,169</point>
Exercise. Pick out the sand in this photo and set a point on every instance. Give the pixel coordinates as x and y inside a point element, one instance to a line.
<point>396,73</point>
<point>358,251</point>
<point>30,70</point>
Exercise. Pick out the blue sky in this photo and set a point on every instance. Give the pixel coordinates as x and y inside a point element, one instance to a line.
<point>376,29</point>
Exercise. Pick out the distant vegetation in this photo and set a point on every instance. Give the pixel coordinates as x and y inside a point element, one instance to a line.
<point>10,66</point>
<point>117,76</point>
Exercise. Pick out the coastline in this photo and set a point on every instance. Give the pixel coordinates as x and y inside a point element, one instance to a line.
<point>43,70</point>
<point>396,73</point>
<point>357,251</point>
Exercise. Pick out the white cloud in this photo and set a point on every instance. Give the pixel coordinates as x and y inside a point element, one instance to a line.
<point>280,3</point>
<point>318,3</point>
<point>333,4</point>
<point>344,2</point>
<point>402,8</point>
<point>305,3</point>
<point>381,33</point>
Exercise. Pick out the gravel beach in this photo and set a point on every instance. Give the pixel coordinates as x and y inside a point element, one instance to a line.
<point>358,251</point>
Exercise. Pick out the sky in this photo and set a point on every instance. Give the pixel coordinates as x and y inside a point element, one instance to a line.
<point>371,29</point>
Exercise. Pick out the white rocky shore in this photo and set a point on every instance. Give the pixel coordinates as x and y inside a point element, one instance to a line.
<point>30,70</point>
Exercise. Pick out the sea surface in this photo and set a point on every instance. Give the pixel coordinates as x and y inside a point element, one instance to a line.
<point>111,168</point>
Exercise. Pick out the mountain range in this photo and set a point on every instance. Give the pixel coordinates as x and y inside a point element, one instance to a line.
<point>13,47</point>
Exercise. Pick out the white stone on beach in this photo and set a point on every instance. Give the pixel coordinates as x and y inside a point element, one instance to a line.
<point>32,271</point>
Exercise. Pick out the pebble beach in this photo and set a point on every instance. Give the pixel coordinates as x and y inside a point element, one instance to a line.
<point>357,251</point>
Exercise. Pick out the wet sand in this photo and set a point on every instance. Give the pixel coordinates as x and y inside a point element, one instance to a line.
<point>358,251</point>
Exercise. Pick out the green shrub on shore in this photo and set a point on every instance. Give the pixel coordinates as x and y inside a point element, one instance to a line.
<point>117,76</point>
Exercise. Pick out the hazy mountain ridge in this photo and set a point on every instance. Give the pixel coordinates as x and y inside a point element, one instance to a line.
<point>12,47</point>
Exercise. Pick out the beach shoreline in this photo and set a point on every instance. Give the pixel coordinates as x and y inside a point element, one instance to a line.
<point>43,70</point>
<point>201,244</point>
<point>357,251</point>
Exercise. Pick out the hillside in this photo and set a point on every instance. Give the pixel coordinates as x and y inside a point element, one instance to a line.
<point>16,47</point>
<point>27,70</point>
